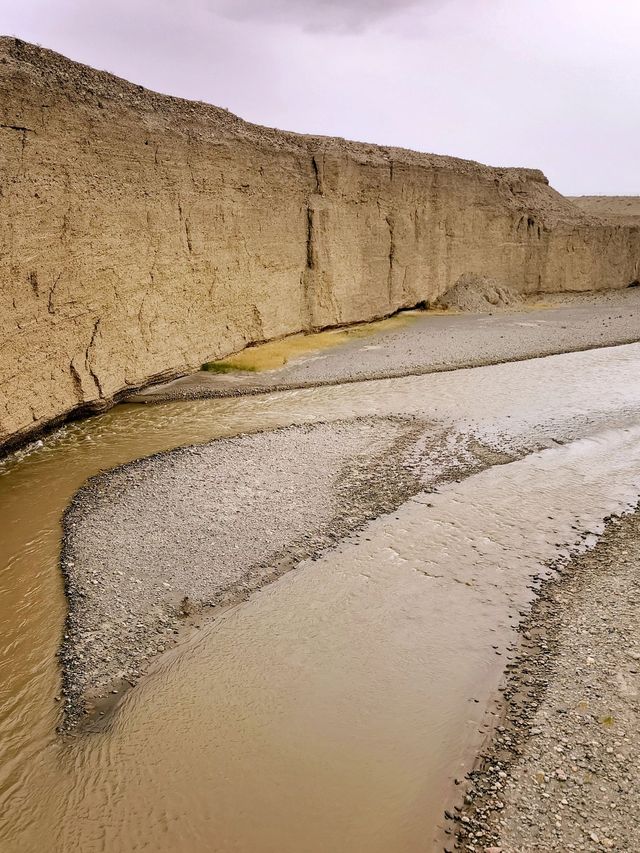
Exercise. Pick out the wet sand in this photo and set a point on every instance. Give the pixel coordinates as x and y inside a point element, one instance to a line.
<point>426,342</point>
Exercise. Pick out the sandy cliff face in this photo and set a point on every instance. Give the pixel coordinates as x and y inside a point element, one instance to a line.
<point>141,235</point>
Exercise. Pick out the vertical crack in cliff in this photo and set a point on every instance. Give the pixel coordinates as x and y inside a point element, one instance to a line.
<point>310,239</point>
<point>405,293</point>
<point>52,290</point>
<point>392,252</point>
<point>317,173</point>
<point>317,170</point>
<point>258,324</point>
<point>323,308</point>
<point>187,227</point>
<point>145,326</point>
<point>88,356</point>
<point>77,382</point>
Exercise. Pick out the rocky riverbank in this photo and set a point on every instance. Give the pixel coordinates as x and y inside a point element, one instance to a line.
<point>427,342</point>
<point>561,771</point>
<point>147,546</point>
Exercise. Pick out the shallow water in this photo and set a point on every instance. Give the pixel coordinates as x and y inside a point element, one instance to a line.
<point>331,710</point>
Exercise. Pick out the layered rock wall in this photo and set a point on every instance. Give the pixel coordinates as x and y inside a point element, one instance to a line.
<point>141,235</point>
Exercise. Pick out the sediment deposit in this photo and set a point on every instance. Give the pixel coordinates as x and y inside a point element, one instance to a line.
<point>205,526</point>
<point>142,235</point>
<point>419,343</point>
<point>214,523</point>
<point>561,772</point>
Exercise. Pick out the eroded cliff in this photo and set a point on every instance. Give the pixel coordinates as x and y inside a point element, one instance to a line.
<point>142,235</point>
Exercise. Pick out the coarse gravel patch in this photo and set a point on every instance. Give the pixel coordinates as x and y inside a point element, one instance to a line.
<point>432,343</point>
<point>151,543</point>
<point>561,770</point>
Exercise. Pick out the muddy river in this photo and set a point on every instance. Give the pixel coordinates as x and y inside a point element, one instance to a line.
<point>334,709</point>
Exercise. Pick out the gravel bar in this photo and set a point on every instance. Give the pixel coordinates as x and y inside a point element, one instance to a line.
<point>561,770</point>
<point>432,343</point>
<point>148,545</point>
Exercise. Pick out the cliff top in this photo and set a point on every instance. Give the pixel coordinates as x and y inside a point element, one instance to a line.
<point>81,84</point>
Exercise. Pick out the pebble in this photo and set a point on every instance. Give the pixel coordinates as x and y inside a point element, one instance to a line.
<point>571,709</point>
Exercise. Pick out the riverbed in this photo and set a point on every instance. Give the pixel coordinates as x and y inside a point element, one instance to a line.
<point>336,707</point>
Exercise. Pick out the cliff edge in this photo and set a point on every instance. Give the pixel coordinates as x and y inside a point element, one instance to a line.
<point>142,235</point>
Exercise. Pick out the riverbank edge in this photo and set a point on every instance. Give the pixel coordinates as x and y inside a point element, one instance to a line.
<point>254,391</point>
<point>23,437</point>
<point>475,818</point>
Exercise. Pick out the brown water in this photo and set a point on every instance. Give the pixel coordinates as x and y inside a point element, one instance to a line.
<point>331,710</point>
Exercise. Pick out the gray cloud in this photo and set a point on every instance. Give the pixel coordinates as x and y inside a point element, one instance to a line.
<point>320,15</point>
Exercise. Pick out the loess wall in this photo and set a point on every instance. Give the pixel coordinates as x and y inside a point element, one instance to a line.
<point>141,235</point>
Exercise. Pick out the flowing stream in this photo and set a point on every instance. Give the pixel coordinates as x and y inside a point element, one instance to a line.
<point>333,709</point>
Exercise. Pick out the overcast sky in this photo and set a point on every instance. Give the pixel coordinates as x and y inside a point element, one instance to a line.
<point>547,83</point>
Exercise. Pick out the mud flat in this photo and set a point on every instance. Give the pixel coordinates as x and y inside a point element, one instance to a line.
<point>561,772</point>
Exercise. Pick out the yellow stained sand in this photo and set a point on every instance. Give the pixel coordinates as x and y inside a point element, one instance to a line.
<point>274,354</point>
